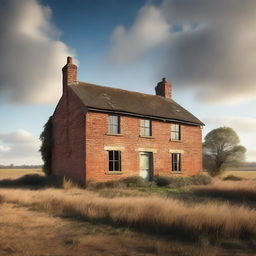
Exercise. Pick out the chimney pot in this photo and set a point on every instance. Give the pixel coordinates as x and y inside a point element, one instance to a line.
<point>69,60</point>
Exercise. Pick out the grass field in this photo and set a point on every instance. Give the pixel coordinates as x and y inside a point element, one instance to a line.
<point>17,173</point>
<point>246,174</point>
<point>194,220</point>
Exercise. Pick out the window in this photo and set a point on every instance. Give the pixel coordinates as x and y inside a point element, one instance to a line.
<point>175,132</point>
<point>176,162</point>
<point>114,161</point>
<point>113,124</point>
<point>145,127</point>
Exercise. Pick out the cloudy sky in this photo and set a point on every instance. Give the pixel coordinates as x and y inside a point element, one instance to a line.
<point>206,49</point>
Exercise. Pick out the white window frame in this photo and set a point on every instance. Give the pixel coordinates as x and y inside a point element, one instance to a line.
<point>113,124</point>
<point>145,127</point>
<point>175,132</point>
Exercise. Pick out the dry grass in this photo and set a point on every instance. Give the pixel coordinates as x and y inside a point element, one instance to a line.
<point>244,189</point>
<point>33,233</point>
<point>17,173</point>
<point>154,214</point>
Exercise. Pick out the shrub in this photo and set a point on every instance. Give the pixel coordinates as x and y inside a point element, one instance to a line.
<point>31,180</point>
<point>199,179</point>
<point>110,184</point>
<point>232,177</point>
<point>46,146</point>
<point>136,181</point>
<point>162,180</point>
<point>133,181</point>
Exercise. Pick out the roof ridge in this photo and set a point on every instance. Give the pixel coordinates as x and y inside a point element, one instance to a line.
<point>119,89</point>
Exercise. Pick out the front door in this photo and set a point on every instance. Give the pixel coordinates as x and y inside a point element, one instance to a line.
<point>146,165</point>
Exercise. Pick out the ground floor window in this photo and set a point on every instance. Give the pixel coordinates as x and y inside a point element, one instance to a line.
<point>114,160</point>
<point>176,162</point>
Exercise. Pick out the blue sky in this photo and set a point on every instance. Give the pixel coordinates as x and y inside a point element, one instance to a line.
<point>207,53</point>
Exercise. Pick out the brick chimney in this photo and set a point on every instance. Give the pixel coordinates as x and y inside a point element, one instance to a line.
<point>69,73</point>
<point>164,89</point>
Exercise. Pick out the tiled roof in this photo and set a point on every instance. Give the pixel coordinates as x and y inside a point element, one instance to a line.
<point>119,100</point>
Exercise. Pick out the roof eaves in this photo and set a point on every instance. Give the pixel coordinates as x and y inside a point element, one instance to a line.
<point>164,119</point>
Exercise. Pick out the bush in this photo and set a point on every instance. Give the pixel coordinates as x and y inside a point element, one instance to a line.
<point>166,181</point>
<point>161,181</point>
<point>136,181</point>
<point>200,179</point>
<point>46,147</point>
<point>133,181</point>
<point>232,177</point>
<point>110,184</point>
<point>33,180</point>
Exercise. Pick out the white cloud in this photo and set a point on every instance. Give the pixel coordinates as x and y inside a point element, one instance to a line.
<point>212,54</point>
<point>148,31</point>
<point>19,147</point>
<point>31,55</point>
<point>240,123</point>
<point>251,155</point>
<point>4,148</point>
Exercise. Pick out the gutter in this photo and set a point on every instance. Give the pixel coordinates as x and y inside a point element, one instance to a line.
<point>143,116</point>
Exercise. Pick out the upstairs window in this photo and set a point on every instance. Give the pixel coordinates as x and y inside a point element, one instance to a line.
<point>145,127</point>
<point>114,124</point>
<point>175,132</point>
<point>176,162</point>
<point>114,161</point>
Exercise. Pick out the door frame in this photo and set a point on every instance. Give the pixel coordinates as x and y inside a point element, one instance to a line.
<point>151,161</point>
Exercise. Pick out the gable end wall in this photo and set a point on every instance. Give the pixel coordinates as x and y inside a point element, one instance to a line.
<point>68,152</point>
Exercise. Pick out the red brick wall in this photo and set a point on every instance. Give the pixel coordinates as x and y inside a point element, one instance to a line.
<point>97,138</point>
<point>68,152</point>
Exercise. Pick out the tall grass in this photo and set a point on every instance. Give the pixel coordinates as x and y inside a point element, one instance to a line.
<point>244,189</point>
<point>158,215</point>
<point>47,235</point>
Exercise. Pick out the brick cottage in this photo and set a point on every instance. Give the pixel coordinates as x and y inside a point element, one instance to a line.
<point>102,133</point>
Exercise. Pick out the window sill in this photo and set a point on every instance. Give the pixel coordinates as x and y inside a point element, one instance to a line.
<point>146,137</point>
<point>178,141</point>
<point>114,134</point>
<point>114,173</point>
<point>177,172</point>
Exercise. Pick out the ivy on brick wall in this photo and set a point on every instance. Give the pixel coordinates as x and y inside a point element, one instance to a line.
<point>46,146</point>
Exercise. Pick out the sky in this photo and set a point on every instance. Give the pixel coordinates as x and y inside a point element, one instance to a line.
<point>206,49</point>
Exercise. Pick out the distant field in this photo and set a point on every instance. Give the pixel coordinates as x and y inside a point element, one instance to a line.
<point>16,173</point>
<point>246,174</point>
